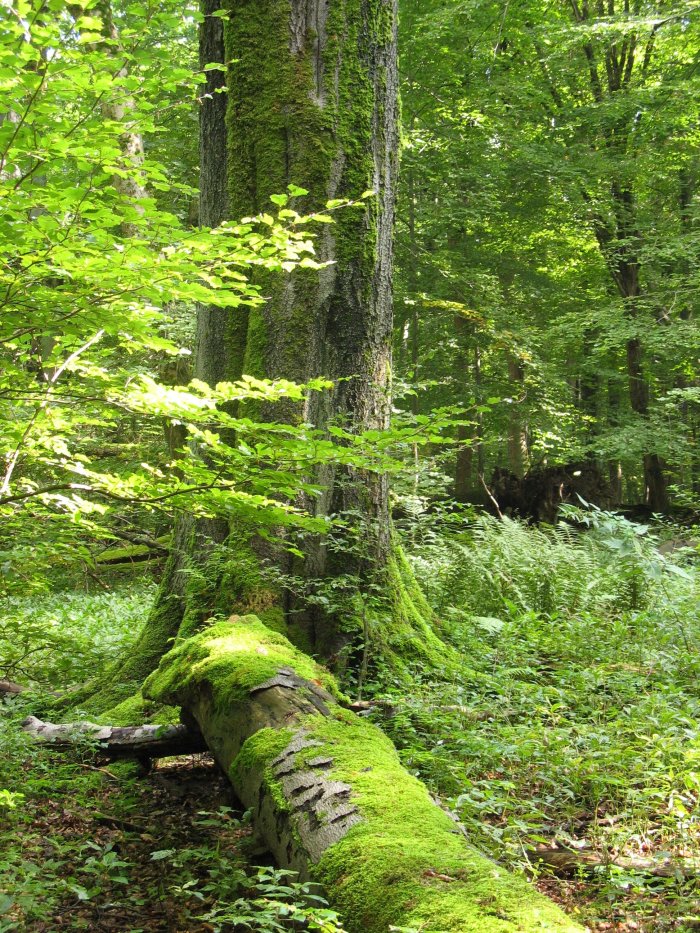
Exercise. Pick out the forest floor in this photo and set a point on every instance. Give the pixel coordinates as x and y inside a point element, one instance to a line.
<point>575,722</point>
<point>108,849</point>
<point>112,849</point>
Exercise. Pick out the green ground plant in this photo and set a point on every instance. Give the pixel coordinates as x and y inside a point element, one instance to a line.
<point>78,847</point>
<point>60,639</point>
<point>576,721</point>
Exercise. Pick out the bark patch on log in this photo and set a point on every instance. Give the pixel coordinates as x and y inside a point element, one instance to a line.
<point>320,804</point>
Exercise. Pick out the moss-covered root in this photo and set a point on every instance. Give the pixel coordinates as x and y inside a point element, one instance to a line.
<point>330,796</point>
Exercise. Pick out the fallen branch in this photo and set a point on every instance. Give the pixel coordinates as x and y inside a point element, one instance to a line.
<point>144,540</point>
<point>571,861</point>
<point>390,705</point>
<point>119,741</point>
<point>108,819</point>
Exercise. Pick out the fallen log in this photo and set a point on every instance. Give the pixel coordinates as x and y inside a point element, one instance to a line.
<point>8,687</point>
<point>329,796</point>
<point>571,861</point>
<point>149,741</point>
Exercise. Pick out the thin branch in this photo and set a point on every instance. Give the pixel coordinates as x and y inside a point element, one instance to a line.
<point>147,500</point>
<point>14,457</point>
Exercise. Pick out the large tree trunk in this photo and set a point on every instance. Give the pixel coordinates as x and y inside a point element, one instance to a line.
<point>329,796</point>
<point>313,101</point>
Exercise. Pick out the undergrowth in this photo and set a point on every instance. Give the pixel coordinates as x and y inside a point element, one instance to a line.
<point>577,723</point>
<point>59,639</point>
<point>106,848</point>
<point>91,846</point>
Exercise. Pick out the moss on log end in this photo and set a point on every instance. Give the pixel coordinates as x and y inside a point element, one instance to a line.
<point>329,795</point>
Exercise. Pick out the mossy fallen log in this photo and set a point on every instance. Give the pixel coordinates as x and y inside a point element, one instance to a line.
<point>134,554</point>
<point>329,796</point>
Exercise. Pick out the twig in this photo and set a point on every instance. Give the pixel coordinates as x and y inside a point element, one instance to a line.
<point>488,493</point>
<point>101,770</point>
<point>14,457</point>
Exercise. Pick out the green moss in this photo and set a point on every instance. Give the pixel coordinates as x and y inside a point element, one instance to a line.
<point>127,553</point>
<point>277,134</point>
<point>242,587</point>
<point>136,710</point>
<point>98,696</point>
<point>232,657</point>
<point>256,755</point>
<point>403,641</point>
<point>273,618</point>
<point>407,863</point>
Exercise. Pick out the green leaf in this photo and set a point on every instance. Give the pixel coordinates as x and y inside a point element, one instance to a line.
<point>161,854</point>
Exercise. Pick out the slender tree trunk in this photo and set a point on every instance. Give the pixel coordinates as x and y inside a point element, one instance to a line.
<point>655,492</point>
<point>517,437</point>
<point>415,319</point>
<point>466,435</point>
<point>620,252</point>
<point>131,142</point>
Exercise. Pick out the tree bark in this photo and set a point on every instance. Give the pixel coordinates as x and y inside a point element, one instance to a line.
<point>8,687</point>
<point>329,796</point>
<point>517,433</point>
<point>610,72</point>
<point>313,101</point>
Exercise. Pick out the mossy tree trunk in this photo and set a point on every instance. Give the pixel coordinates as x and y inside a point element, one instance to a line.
<point>313,101</point>
<point>218,337</point>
